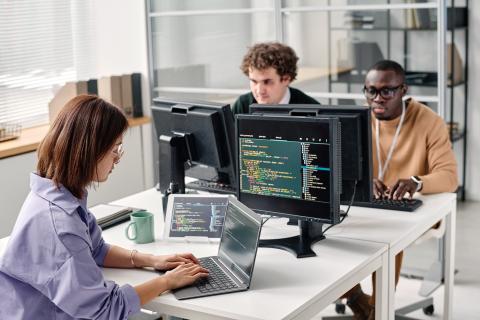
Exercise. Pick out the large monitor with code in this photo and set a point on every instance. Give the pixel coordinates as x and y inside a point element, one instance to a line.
<point>290,167</point>
<point>356,143</point>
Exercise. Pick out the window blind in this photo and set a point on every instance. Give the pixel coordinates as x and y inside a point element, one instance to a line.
<point>43,44</point>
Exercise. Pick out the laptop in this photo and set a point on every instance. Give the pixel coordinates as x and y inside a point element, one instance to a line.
<point>231,269</point>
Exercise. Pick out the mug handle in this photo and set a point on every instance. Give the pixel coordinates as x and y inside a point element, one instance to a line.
<point>127,231</point>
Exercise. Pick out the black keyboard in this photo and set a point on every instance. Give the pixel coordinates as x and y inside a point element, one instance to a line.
<point>210,186</point>
<point>217,280</point>
<point>390,204</point>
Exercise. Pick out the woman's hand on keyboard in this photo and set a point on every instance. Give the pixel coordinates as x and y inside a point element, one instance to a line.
<point>168,262</point>
<point>184,275</point>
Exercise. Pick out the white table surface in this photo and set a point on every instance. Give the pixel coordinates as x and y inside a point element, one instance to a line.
<point>365,241</point>
<point>400,229</point>
<point>396,228</point>
<point>283,287</point>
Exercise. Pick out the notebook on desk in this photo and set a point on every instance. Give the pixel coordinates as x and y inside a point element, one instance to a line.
<point>108,215</point>
<point>231,269</point>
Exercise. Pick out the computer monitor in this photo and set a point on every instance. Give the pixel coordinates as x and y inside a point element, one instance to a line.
<point>356,143</point>
<point>290,167</point>
<point>195,139</point>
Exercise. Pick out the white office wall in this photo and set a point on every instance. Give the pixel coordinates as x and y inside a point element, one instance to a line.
<point>120,36</point>
<point>473,149</point>
<point>121,47</point>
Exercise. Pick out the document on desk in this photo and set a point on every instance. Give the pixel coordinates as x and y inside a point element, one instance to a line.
<point>108,215</point>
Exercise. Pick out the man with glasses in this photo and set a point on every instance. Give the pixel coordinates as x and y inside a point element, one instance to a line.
<point>411,153</point>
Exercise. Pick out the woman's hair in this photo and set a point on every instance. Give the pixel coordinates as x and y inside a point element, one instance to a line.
<point>271,54</point>
<point>83,132</point>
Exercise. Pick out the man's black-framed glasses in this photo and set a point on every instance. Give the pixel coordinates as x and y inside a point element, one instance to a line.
<point>385,92</point>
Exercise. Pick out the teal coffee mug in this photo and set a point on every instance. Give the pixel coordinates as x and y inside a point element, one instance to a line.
<point>140,228</point>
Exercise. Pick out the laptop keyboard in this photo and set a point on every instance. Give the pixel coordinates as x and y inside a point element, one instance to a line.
<point>217,280</point>
<point>390,204</point>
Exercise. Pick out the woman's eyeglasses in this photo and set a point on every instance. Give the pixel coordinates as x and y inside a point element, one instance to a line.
<point>385,92</point>
<point>118,151</point>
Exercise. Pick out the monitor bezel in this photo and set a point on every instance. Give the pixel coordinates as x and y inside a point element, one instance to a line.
<point>335,174</point>
<point>364,188</point>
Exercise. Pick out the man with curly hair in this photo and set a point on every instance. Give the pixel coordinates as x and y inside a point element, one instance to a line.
<point>271,67</point>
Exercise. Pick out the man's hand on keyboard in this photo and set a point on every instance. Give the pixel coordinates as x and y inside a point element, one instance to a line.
<point>401,188</point>
<point>395,192</point>
<point>380,190</point>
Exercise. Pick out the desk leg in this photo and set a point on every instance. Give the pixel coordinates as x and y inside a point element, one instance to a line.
<point>381,289</point>
<point>391,287</point>
<point>449,261</point>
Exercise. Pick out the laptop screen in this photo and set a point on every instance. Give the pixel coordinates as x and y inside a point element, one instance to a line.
<point>239,242</point>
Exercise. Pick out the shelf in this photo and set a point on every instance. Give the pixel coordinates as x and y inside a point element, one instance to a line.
<point>393,29</point>
<point>423,20</point>
<point>416,78</point>
<point>356,29</point>
<point>30,138</point>
<point>412,78</point>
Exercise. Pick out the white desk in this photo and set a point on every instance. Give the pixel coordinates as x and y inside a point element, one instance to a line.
<point>399,229</point>
<point>283,287</point>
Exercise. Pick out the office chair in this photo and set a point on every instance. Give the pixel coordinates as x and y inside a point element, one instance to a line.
<point>431,280</point>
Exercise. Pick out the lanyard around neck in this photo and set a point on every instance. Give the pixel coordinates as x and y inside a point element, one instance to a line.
<point>383,168</point>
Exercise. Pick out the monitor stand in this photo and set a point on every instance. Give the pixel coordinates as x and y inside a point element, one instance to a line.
<point>300,246</point>
<point>174,152</point>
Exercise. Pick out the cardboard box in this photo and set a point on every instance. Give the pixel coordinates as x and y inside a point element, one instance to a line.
<point>457,76</point>
<point>127,99</point>
<point>110,89</point>
<point>65,94</point>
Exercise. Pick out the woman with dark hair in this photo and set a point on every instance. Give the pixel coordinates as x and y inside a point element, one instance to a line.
<point>51,266</point>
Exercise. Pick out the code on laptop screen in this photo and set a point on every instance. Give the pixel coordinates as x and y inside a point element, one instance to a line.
<point>199,217</point>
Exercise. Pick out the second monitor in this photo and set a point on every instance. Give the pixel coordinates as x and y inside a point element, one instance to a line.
<point>290,167</point>
<point>356,143</point>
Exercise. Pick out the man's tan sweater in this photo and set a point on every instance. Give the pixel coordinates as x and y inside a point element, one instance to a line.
<point>423,149</point>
